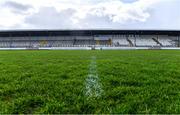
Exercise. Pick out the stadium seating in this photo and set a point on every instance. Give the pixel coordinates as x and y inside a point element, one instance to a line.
<point>19,44</point>
<point>5,44</point>
<point>120,42</point>
<point>145,42</point>
<point>88,41</point>
<point>167,41</point>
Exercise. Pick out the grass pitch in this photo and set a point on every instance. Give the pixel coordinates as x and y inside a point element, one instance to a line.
<point>56,81</point>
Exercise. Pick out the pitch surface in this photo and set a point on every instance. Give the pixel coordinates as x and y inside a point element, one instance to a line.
<point>142,81</point>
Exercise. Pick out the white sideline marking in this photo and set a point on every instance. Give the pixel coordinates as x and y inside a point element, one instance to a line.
<point>93,85</point>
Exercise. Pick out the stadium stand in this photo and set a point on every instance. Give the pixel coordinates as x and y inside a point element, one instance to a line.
<point>157,41</point>
<point>131,41</point>
<point>120,40</point>
<point>89,38</point>
<point>5,44</point>
<point>167,41</point>
<point>143,42</point>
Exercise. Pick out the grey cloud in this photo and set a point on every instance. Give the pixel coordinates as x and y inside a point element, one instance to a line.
<point>129,1</point>
<point>49,17</point>
<point>162,16</point>
<point>17,7</point>
<point>94,21</point>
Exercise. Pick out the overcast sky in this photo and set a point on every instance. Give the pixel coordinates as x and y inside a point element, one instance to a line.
<point>90,14</point>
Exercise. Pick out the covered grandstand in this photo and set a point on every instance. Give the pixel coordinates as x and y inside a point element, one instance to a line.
<point>35,39</point>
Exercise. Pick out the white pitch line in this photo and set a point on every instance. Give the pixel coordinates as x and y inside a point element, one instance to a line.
<point>93,85</point>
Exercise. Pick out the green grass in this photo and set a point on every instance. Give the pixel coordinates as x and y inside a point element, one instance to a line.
<point>140,81</point>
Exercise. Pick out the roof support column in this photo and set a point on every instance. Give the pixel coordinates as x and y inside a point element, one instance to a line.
<point>11,40</point>
<point>179,41</point>
<point>30,41</point>
<point>135,40</point>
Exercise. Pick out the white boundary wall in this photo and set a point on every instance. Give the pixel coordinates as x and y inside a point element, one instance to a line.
<point>96,48</point>
<point>52,48</point>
